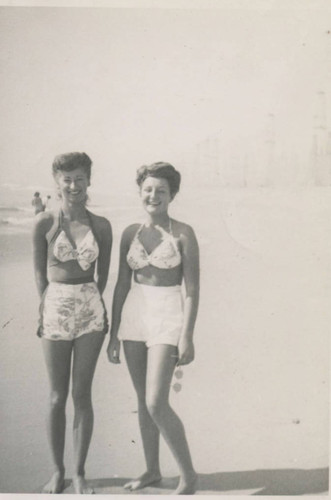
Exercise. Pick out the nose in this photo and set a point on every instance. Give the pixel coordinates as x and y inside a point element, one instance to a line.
<point>73,184</point>
<point>153,194</point>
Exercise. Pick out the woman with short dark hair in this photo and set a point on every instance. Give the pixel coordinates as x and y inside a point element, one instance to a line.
<point>153,319</point>
<point>71,259</point>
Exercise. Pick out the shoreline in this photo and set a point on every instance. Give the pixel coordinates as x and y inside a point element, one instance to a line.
<point>255,402</point>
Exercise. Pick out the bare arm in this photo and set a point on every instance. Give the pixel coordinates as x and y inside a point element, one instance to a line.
<point>104,255</point>
<point>41,226</point>
<point>191,274</point>
<point>123,284</point>
<point>122,288</point>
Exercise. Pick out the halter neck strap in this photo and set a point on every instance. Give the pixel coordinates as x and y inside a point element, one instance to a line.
<point>157,226</point>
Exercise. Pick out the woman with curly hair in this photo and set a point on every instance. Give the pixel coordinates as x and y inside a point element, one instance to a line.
<point>71,260</point>
<point>153,319</point>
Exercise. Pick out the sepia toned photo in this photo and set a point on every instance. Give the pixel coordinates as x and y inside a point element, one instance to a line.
<point>165,188</point>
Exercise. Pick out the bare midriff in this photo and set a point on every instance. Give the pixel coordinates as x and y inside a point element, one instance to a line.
<point>154,276</point>
<point>69,271</point>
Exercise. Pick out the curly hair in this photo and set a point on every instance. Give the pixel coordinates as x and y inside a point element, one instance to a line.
<point>160,170</point>
<point>69,161</point>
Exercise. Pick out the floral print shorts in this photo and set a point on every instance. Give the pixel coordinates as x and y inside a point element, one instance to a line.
<point>69,311</point>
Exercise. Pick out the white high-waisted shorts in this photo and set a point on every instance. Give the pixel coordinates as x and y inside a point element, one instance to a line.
<point>152,314</point>
<point>68,311</point>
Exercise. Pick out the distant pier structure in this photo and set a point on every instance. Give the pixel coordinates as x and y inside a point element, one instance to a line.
<point>220,163</point>
<point>207,154</point>
<point>270,150</point>
<point>321,143</point>
<point>216,160</point>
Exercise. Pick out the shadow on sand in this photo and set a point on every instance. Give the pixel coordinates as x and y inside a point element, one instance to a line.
<point>267,482</point>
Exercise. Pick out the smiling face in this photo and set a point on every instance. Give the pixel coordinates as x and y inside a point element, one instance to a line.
<point>72,185</point>
<point>155,195</point>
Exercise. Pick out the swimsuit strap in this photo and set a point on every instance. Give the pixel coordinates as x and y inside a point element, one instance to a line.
<point>170,227</point>
<point>139,230</point>
<point>92,227</point>
<point>135,238</point>
<point>163,231</point>
<point>58,228</point>
<point>62,228</point>
<point>160,228</point>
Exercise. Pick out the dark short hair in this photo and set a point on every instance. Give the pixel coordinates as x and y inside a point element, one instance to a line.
<point>36,193</point>
<point>69,161</point>
<point>160,170</point>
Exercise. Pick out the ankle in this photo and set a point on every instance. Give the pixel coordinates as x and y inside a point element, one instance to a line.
<point>155,471</point>
<point>191,472</point>
<point>59,470</point>
<point>190,475</point>
<point>79,473</point>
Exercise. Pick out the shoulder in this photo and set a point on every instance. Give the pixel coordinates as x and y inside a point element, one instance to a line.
<point>187,240</point>
<point>100,223</point>
<point>182,230</point>
<point>129,233</point>
<point>131,230</point>
<point>44,221</point>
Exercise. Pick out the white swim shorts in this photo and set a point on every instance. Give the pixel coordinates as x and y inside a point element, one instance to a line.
<point>152,314</point>
<point>68,311</point>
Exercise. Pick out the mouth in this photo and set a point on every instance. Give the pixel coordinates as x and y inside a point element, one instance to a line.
<point>153,204</point>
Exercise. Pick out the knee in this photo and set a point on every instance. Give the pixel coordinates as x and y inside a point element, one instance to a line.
<point>58,400</point>
<point>141,397</point>
<point>156,407</point>
<point>81,397</point>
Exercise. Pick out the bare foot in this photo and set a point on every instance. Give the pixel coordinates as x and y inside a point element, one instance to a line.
<point>55,484</point>
<point>81,487</point>
<point>143,481</point>
<point>187,485</point>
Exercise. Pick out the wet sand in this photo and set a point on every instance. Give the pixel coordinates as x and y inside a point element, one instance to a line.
<point>255,401</point>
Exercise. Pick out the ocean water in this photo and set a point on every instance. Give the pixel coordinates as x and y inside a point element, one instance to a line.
<point>17,213</point>
<point>120,204</point>
<point>263,221</point>
<point>15,219</point>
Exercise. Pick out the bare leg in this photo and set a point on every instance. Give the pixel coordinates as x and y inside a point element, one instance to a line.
<point>86,352</point>
<point>58,359</point>
<point>160,367</point>
<point>136,358</point>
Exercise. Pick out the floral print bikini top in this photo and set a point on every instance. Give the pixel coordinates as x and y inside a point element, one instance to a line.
<point>85,253</point>
<point>165,256</point>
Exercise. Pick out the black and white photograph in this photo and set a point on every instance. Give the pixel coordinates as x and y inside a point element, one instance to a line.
<point>165,243</point>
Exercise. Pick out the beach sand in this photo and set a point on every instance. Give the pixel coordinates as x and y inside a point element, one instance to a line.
<point>255,401</point>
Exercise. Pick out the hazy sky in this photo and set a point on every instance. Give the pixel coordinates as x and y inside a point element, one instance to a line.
<point>136,85</point>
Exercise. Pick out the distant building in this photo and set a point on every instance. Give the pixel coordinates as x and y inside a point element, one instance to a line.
<point>321,144</point>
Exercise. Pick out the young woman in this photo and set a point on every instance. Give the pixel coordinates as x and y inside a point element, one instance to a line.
<point>71,260</point>
<point>154,323</point>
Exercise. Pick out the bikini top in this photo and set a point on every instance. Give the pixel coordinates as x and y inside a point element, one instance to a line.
<point>62,249</point>
<point>165,256</point>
